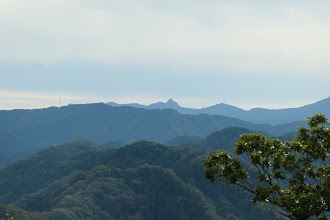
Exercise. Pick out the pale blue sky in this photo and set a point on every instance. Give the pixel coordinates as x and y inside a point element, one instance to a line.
<point>245,53</point>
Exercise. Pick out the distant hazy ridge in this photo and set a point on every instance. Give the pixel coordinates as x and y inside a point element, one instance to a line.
<point>24,130</point>
<point>256,115</point>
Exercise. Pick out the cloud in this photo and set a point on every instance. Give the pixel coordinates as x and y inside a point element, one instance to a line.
<point>236,36</point>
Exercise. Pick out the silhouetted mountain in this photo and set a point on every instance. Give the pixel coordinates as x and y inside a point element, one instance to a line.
<point>26,130</point>
<point>161,105</point>
<point>170,104</point>
<point>290,114</point>
<point>145,180</point>
<point>224,139</point>
<point>255,115</point>
<point>223,109</point>
<point>183,140</point>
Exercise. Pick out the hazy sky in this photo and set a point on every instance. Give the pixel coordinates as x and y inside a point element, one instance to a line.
<point>198,52</point>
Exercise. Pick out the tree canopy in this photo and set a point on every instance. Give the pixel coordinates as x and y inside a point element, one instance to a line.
<point>294,175</point>
<point>144,180</point>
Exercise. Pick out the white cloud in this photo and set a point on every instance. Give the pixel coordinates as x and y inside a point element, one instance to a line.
<point>19,99</point>
<point>238,37</point>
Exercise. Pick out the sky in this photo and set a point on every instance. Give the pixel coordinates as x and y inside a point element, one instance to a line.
<point>272,54</point>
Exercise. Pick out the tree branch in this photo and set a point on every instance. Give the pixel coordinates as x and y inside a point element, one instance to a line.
<point>288,216</point>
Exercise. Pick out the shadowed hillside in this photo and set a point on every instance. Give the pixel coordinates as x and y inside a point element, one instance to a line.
<point>145,180</point>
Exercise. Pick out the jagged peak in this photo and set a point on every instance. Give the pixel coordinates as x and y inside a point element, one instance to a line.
<point>172,102</point>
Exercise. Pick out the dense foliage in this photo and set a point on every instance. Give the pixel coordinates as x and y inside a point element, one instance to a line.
<point>145,180</point>
<point>294,176</point>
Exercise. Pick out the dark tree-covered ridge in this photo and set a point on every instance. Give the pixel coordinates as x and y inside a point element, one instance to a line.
<point>144,180</point>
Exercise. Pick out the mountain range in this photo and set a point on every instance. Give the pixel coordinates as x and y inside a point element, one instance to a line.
<point>255,115</point>
<point>26,130</point>
<point>107,179</point>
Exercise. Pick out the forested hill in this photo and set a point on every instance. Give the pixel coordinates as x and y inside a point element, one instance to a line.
<point>23,130</point>
<point>145,180</point>
<point>224,139</point>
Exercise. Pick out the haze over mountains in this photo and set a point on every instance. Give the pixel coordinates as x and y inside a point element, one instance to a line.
<point>25,130</point>
<point>143,180</point>
<point>255,115</point>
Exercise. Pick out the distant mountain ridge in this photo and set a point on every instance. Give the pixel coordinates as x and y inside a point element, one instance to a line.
<point>26,130</point>
<point>255,115</point>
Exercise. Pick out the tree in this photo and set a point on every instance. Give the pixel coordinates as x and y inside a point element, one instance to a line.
<point>294,175</point>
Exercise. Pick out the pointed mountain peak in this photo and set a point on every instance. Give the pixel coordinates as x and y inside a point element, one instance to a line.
<point>161,105</point>
<point>172,103</point>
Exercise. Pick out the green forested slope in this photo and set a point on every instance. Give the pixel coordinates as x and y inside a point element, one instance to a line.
<point>145,180</point>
